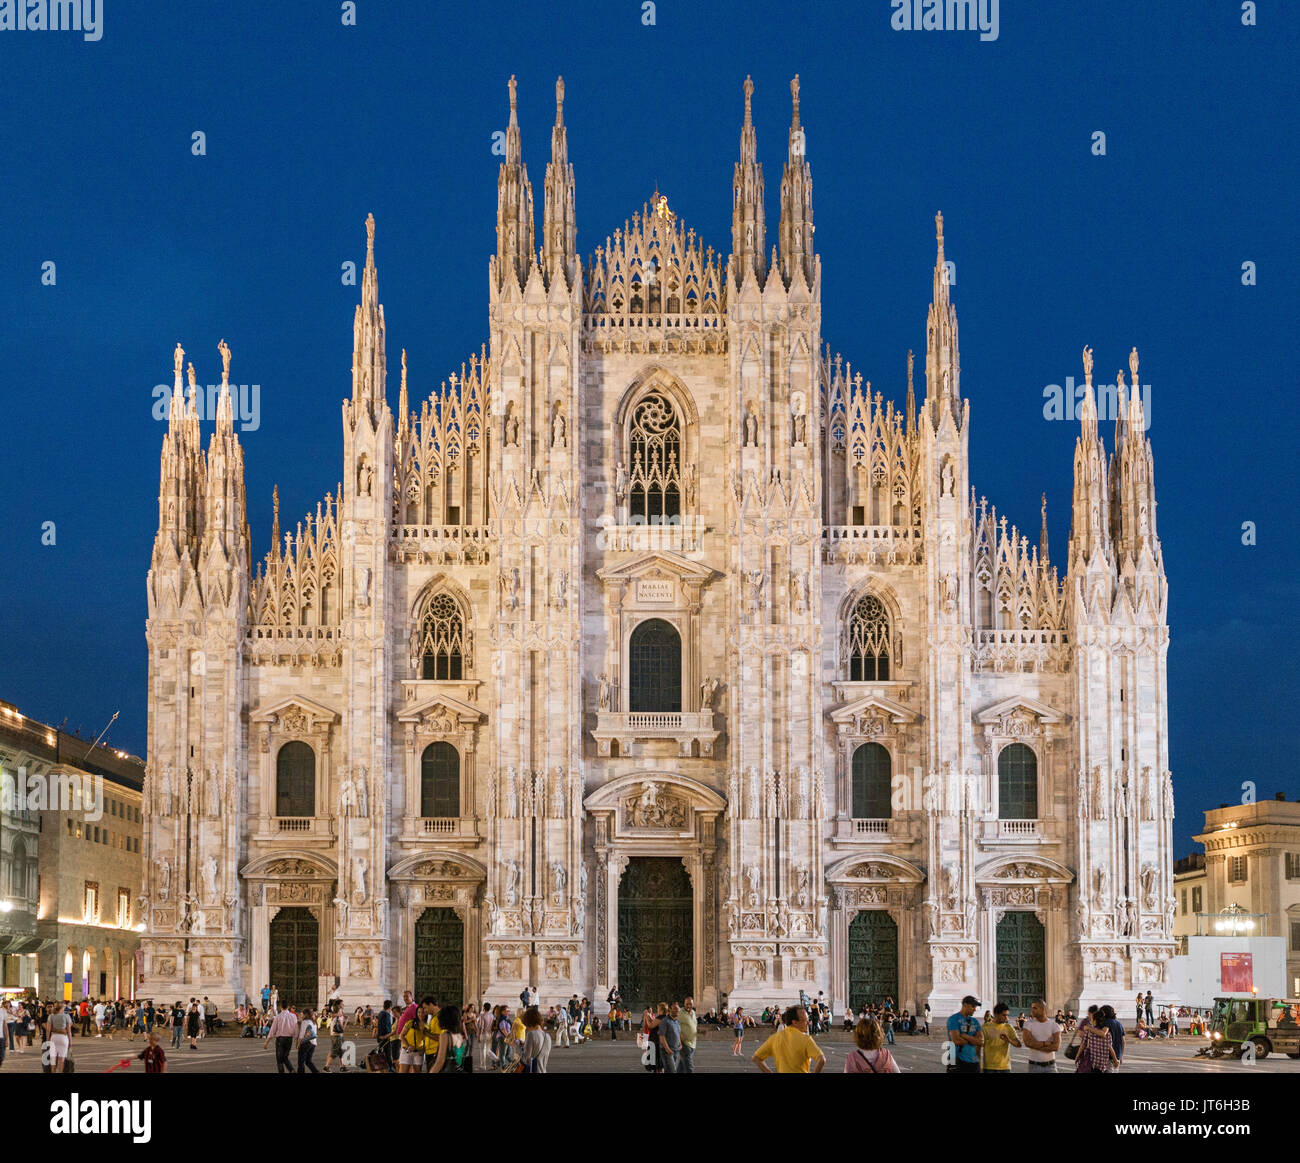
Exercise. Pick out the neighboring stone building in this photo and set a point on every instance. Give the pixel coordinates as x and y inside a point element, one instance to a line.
<point>654,648</point>
<point>1252,864</point>
<point>1189,891</point>
<point>85,870</point>
<point>19,856</point>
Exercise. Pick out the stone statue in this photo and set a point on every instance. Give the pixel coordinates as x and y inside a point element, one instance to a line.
<point>948,592</point>
<point>931,911</point>
<point>512,793</point>
<point>512,883</point>
<point>559,590</point>
<point>604,693</point>
<point>929,798</point>
<point>708,688</point>
<point>1148,795</point>
<point>1101,897</point>
<point>557,794</point>
<point>1130,918</point>
<point>692,480</point>
<point>752,876</point>
<point>365,479</point>
<point>1081,915</point>
<point>512,426</point>
<point>951,885</point>
<point>347,796</point>
<point>733,920</point>
<point>947,478</point>
<point>363,797</point>
<point>165,791</point>
<point>363,596</point>
<point>802,879</point>
<point>753,582</point>
<point>509,582</point>
<point>557,429</point>
<point>1087,364</point>
<point>214,792</point>
<point>1133,365</point>
<point>753,794</point>
<point>178,357</point>
<point>578,922</point>
<point>751,426</point>
<point>800,580</point>
<point>1169,795</point>
<point>360,866</point>
<point>620,482</point>
<point>164,877</point>
<point>1148,879</point>
<point>210,877</point>
<point>560,878</point>
<point>225,360</point>
<point>1100,796</point>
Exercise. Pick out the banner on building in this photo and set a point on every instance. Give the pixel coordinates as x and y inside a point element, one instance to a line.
<point>1236,971</point>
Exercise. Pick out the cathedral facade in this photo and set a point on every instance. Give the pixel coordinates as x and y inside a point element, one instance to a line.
<point>654,649</point>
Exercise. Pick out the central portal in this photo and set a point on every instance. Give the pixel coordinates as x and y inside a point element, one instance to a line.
<point>440,957</point>
<point>656,950</point>
<point>295,956</point>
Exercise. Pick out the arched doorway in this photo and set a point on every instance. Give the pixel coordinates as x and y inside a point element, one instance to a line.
<point>1021,960</point>
<point>295,956</point>
<point>655,662</point>
<point>873,958</point>
<point>656,949</point>
<point>440,957</point>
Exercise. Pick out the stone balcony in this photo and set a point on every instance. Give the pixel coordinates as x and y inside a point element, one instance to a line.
<point>852,833</point>
<point>296,827</point>
<point>1022,651</point>
<point>439,829</point>
<point>1004,833</point>
<point>626,728</point>
<point>443,544</point>
<point>872,544</point>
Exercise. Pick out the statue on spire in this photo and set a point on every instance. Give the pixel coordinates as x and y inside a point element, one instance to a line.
<point>179,358</point>
<point>1133,365</point>
<point>194,379</point>
<point>370,239</point>
<point>512,86</point>
<point>559,100</point>
<point>1087,365</point>
<point>749,93</point>
<point>938,232</point>
<point>794,93</point>
<point>224,348</point>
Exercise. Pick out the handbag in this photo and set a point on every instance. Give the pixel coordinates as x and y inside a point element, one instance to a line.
<point>1072,1050</point>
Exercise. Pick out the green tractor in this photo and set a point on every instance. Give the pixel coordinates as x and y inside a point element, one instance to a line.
<point>1269,1024</point>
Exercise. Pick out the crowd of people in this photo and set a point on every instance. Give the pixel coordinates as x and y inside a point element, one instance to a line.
<point>434,1036</point>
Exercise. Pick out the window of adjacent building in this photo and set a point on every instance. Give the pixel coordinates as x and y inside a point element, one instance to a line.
<point>872,769</point>
<point>1295,936</point>
<point>655,461</point>
<point>18,870</point>
<point>1017,783</point>
<point>1292,860</point>
<point>871,646</point>
<point>440,781</point>
<point>1184,903</point>
<point>295,780</point>
<point>442,639</point>
<point>1237,870</point>
<point>69,827</point>
<point>124,908</point>
<point>92,900</point>
<point>655,662</point>
<point>1196,900</point>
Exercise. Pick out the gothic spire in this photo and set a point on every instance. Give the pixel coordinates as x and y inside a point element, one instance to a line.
<point>911,394</point>
<point>942,362</point>
<point>515,222</point>
<point>1090,516</point>
<point>1133,477</point>
<point>1042,535</point>
<point>559,222</point>
<point>796,202</point>
<point>747,222</point>
<point>369,364</point>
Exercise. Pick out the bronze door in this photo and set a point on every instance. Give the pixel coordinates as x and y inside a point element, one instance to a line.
<point>295,957</point>
<point>440,957</point>
<point>656,948</point>
<point>873,959</point>
<point>1021,961</point>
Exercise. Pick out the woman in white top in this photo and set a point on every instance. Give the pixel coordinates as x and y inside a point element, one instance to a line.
<point>307,1042</point>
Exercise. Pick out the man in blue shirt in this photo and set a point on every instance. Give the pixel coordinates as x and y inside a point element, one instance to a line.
<point>965,1035</point>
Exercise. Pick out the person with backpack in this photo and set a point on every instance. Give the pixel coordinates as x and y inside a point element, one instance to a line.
<point>454,1054</point>
<point>870,1056</point>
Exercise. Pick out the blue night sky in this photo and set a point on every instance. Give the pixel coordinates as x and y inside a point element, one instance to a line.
<point>310,125</point>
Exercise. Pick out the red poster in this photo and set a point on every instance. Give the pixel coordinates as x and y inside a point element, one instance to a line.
<point>1237,972</point>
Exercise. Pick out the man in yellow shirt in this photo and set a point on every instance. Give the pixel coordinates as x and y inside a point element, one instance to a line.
<point>999,1036</point>
<point>792,1049</point>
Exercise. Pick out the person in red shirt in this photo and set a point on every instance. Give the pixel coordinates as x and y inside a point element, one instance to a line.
<point>155,1061</point>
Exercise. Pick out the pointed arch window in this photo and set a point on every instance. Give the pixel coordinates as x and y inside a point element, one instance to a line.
<point>655,461</point>
<point>1017,783</point>
<point>442,640</point>
<point>870,641</point>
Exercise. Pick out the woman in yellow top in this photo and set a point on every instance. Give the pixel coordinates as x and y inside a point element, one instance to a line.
<point>999,1036</point>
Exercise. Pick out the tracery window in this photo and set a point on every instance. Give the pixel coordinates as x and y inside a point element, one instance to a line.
<point>655,453</point>
<point>442,639</point>
<point>870,641</point>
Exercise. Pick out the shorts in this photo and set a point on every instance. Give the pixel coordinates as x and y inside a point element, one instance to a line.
<point>336,1046</point>
<point>59,1046</point>
<point>410,1057</point>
